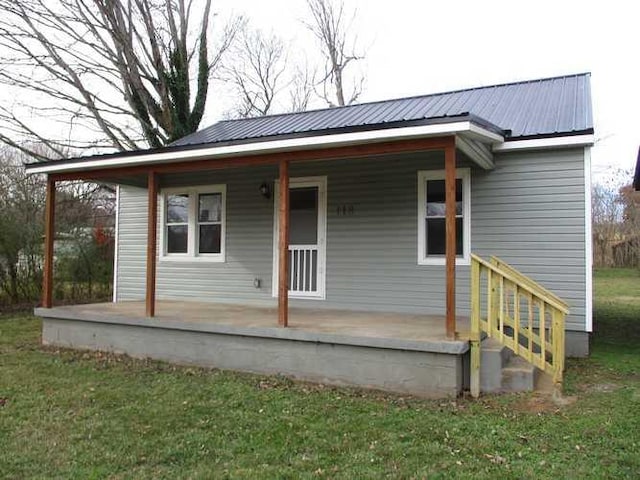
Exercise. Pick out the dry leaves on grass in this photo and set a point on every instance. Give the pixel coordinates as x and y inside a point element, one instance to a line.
<point>495,458</point>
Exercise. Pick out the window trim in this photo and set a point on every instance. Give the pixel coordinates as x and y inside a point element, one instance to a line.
<point>423,176</point>
<point>192,254</point>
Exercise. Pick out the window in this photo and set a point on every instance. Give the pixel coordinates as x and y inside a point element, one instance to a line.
<point>193,221</point>
<point>209,222</point>
<point>431,217</point>
<point>177,223</point>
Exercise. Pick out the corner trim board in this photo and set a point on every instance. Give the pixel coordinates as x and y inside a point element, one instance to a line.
<point>588,242</point>
<point>116,244</point>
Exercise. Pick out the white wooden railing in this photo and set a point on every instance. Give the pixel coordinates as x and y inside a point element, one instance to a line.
<point>303,269</point>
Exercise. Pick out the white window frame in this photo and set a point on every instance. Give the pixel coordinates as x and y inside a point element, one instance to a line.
<point>423,176</point>
<point>192,235</point>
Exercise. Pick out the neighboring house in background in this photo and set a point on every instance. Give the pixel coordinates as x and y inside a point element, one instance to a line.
<point>625,252</point>
<point>367,216</point>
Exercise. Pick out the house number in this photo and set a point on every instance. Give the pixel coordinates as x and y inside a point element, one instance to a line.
<point>344,210</point>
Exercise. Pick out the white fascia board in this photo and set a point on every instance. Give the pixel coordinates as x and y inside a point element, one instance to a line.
<point>542,143</point>
<point>273,146</point>
<point>482,134</point>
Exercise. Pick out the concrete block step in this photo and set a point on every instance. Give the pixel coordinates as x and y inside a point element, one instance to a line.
<point>493,345</point>
<point>494,357</point>
<point>519,376</point>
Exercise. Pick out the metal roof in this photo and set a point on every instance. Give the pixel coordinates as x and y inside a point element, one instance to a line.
<point>545,107</point>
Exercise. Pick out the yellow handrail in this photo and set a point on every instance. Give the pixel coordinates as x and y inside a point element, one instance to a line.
<point>537,336</point>
<point>527,281</point>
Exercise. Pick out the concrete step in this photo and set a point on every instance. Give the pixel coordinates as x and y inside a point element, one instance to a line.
<point>493,358</point>
<point>518,376</point>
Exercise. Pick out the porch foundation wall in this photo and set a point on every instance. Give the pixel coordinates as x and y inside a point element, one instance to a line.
<point>428,374</point>
<point>577,344</point>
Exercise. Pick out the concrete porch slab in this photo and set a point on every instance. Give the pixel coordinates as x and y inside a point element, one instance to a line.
<point>391,352</point>
<point>384,330</point>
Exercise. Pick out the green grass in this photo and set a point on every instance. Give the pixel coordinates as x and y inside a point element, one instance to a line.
<point>83,415</point>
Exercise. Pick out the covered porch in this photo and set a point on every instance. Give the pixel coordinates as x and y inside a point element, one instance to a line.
<point>417,353</point>
<point>156,171</point>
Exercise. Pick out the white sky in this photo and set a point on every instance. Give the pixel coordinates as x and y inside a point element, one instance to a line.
<point>418,47</point>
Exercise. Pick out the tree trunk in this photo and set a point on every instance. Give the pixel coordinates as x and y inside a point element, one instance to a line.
<point>13,283</point>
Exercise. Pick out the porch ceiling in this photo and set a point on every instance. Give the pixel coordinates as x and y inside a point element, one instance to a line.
<point>479,152</point>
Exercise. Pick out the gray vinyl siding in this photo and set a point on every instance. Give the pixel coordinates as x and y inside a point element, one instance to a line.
<point>131,243</point>
<point>249,243</point>
<point>529,211</point>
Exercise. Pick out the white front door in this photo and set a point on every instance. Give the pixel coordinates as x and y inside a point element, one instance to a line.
<point>307,237</point>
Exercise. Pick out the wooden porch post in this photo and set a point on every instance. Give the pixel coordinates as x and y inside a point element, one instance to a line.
<point>49,233</point>
<point>152,224</point>
<point>283,245</point>
<point>450,226</point>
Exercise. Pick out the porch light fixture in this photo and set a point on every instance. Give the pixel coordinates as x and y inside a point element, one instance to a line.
<point>265,191</point>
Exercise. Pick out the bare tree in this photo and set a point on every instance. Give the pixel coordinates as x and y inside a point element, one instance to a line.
<point>84,225</point>
<point>258,72</point>
<point>627,252</point>
<point>333,31</point>
<point>605,212</point>
<point>21,207</point>
<point>301,88</point>
<point>117,74</point>
<point>630,200</point>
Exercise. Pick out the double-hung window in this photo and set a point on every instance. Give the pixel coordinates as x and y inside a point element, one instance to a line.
<point>432,219</point>
<point>193,223</point>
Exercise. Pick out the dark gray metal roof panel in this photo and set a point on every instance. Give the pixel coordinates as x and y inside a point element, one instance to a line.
<point>534,108</point>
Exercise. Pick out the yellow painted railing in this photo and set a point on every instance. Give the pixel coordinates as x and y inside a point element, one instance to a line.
<point>519,313</point>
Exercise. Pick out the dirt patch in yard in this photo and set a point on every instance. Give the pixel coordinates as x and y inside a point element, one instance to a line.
<point>543,402</point>
<point>602,387</point>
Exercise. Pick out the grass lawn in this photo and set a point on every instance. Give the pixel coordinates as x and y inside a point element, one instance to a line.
<point>67,414</point>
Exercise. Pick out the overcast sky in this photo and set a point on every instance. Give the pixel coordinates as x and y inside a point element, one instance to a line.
<point>417,47</point>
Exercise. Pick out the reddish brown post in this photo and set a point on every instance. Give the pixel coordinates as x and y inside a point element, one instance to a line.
<point>152,224</point>
<point>283,245</point>
<point>49,234</point>
<point>450,225</point>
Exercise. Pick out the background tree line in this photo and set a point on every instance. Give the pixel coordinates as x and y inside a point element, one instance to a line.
<point>615,209</point>
<point>83,244</point>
